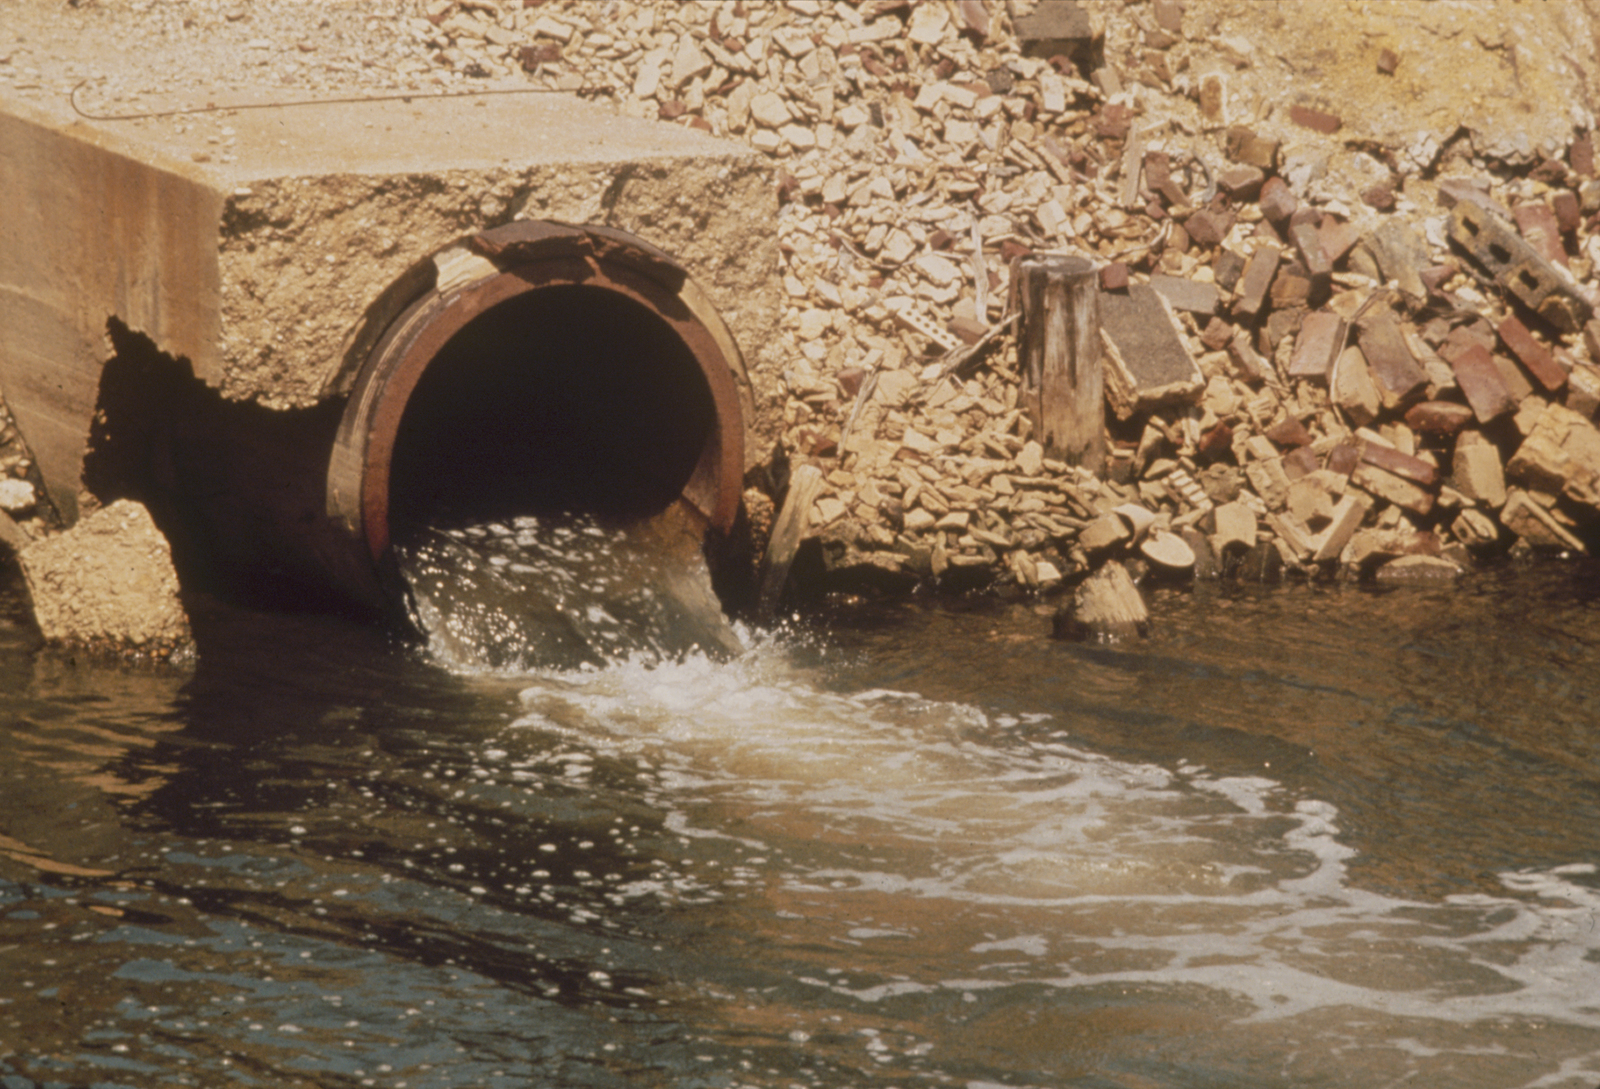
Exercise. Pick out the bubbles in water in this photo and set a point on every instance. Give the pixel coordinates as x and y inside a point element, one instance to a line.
<point>562,593</point>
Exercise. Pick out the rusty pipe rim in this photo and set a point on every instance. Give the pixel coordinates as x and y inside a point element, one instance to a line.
<point>525,258</point>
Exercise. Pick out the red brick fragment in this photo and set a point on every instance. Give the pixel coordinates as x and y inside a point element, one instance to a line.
<point>1438,418</point>
<point>1343,459</point>
<point>1551,172</point>
<point>1534,356</point>
<point>1217,334</point>
<point>1244,146</point>
<point>1568,210</point>
<point>1258,276</point>
<point>1242,182</point>
<point>1309,242</point>
<point>1481,382</point>
<point>1277,202</point>
<point>1380,197</point>
<point>1209,227</point>
<point>1388,62</point>
<point>1169,15</point>
<point>1315,120</point>
<point>1299,462</point>
<point>1581,155</point>
<point>1216,443</point>
<point>1114,277</point>
<point>1319,339</point>
<point>1338,238</point>
<point>1404,465</point>
<point>1289,431</point>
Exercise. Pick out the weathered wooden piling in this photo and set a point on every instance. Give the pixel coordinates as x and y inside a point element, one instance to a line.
<point>1059,352</point>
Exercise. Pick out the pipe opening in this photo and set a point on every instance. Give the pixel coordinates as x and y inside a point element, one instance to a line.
<point>567,398</point>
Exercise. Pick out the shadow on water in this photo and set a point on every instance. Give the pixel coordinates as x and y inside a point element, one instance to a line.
<point>1317,836</point>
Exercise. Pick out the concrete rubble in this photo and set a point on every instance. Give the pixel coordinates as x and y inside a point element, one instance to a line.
<point>1350,302</point>
<point>107,584</point>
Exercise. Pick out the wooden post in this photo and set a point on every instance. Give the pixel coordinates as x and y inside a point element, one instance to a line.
<point>787,532</point>
<point>1059,356</point>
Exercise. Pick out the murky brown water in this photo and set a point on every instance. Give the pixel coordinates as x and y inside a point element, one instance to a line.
<point>1302,837</point>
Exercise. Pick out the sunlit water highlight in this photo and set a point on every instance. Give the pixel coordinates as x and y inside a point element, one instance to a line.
<point>932,848</point>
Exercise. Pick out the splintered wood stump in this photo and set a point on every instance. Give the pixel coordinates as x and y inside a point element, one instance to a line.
<point>1059,357</point>
<point>1107,607</point>
<point>787,533</point>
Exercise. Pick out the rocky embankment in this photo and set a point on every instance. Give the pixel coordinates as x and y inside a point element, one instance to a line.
<point>1363,237</point>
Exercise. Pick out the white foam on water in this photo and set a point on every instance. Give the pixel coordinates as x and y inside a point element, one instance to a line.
<point>1170,878</point>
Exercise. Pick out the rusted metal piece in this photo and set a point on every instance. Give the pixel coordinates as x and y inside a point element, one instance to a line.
<point>526,257</point>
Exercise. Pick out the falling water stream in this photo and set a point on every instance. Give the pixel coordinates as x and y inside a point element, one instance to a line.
<point>595,836</point>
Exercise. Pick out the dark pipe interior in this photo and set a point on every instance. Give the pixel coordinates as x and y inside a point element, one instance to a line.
<point>568,398</point>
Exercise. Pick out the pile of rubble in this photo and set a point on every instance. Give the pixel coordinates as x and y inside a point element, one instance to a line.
<point>1394,364</point>
<point>1325,349</point>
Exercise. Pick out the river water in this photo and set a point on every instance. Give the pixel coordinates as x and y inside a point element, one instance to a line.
<point>1305,836</point>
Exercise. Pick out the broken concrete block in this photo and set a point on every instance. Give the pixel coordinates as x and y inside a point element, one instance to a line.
<point>1309,502</point>
<point>1518,267</point>
<point>1540,230</point>
<point>1401,255</point>
<point>1293,536</point>
<point>1059,28</point>
<point>1347,517</point>
<point>1320,337</point>
<point>1583,389</point>
<point>1105,532</point>
<point>1561,454</point>
<point>1533,522</point>
<point>1235,528</point>
<point>1269,481</point>
<point>1476,472</point>
<point>1395,489</point>
<point>1475,529</point>
<point>1419,568</point>
<point>1352,388</point>
<point>1186,294</point>
<point>108,584</point>
<point>1147,363</point>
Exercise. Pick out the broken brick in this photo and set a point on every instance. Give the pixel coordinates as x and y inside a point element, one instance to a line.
<point>1289,431</point>
<point>1309,242</point>
<point>1397,490</point>
<point>1209,227</point>
<point>1291,287</point>
<point>1114,277</point>
<point>1534,356</point>
<point>1481,382</point>
<point>1394,369</point>
<point>1581,155</point>
<point>1244,146</point>
<point>1439,418</point>
<point>1400,464</point>
<point>1217,334</point>
<point>1321,334</point>
<point>1338,238</point>
<point>1388,61</point>
<point>1380,197</point>
<point>1241,183</point>
<point>1258,277</point>
<point>1568,210</point>
<point>1228,268</point>
<point>1315,120</point>
<point>1277,202</point>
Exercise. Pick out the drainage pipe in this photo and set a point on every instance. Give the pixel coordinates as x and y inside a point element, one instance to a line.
<point>547,367</point>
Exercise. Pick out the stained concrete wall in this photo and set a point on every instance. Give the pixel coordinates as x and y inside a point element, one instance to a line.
<point>259,244</point>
